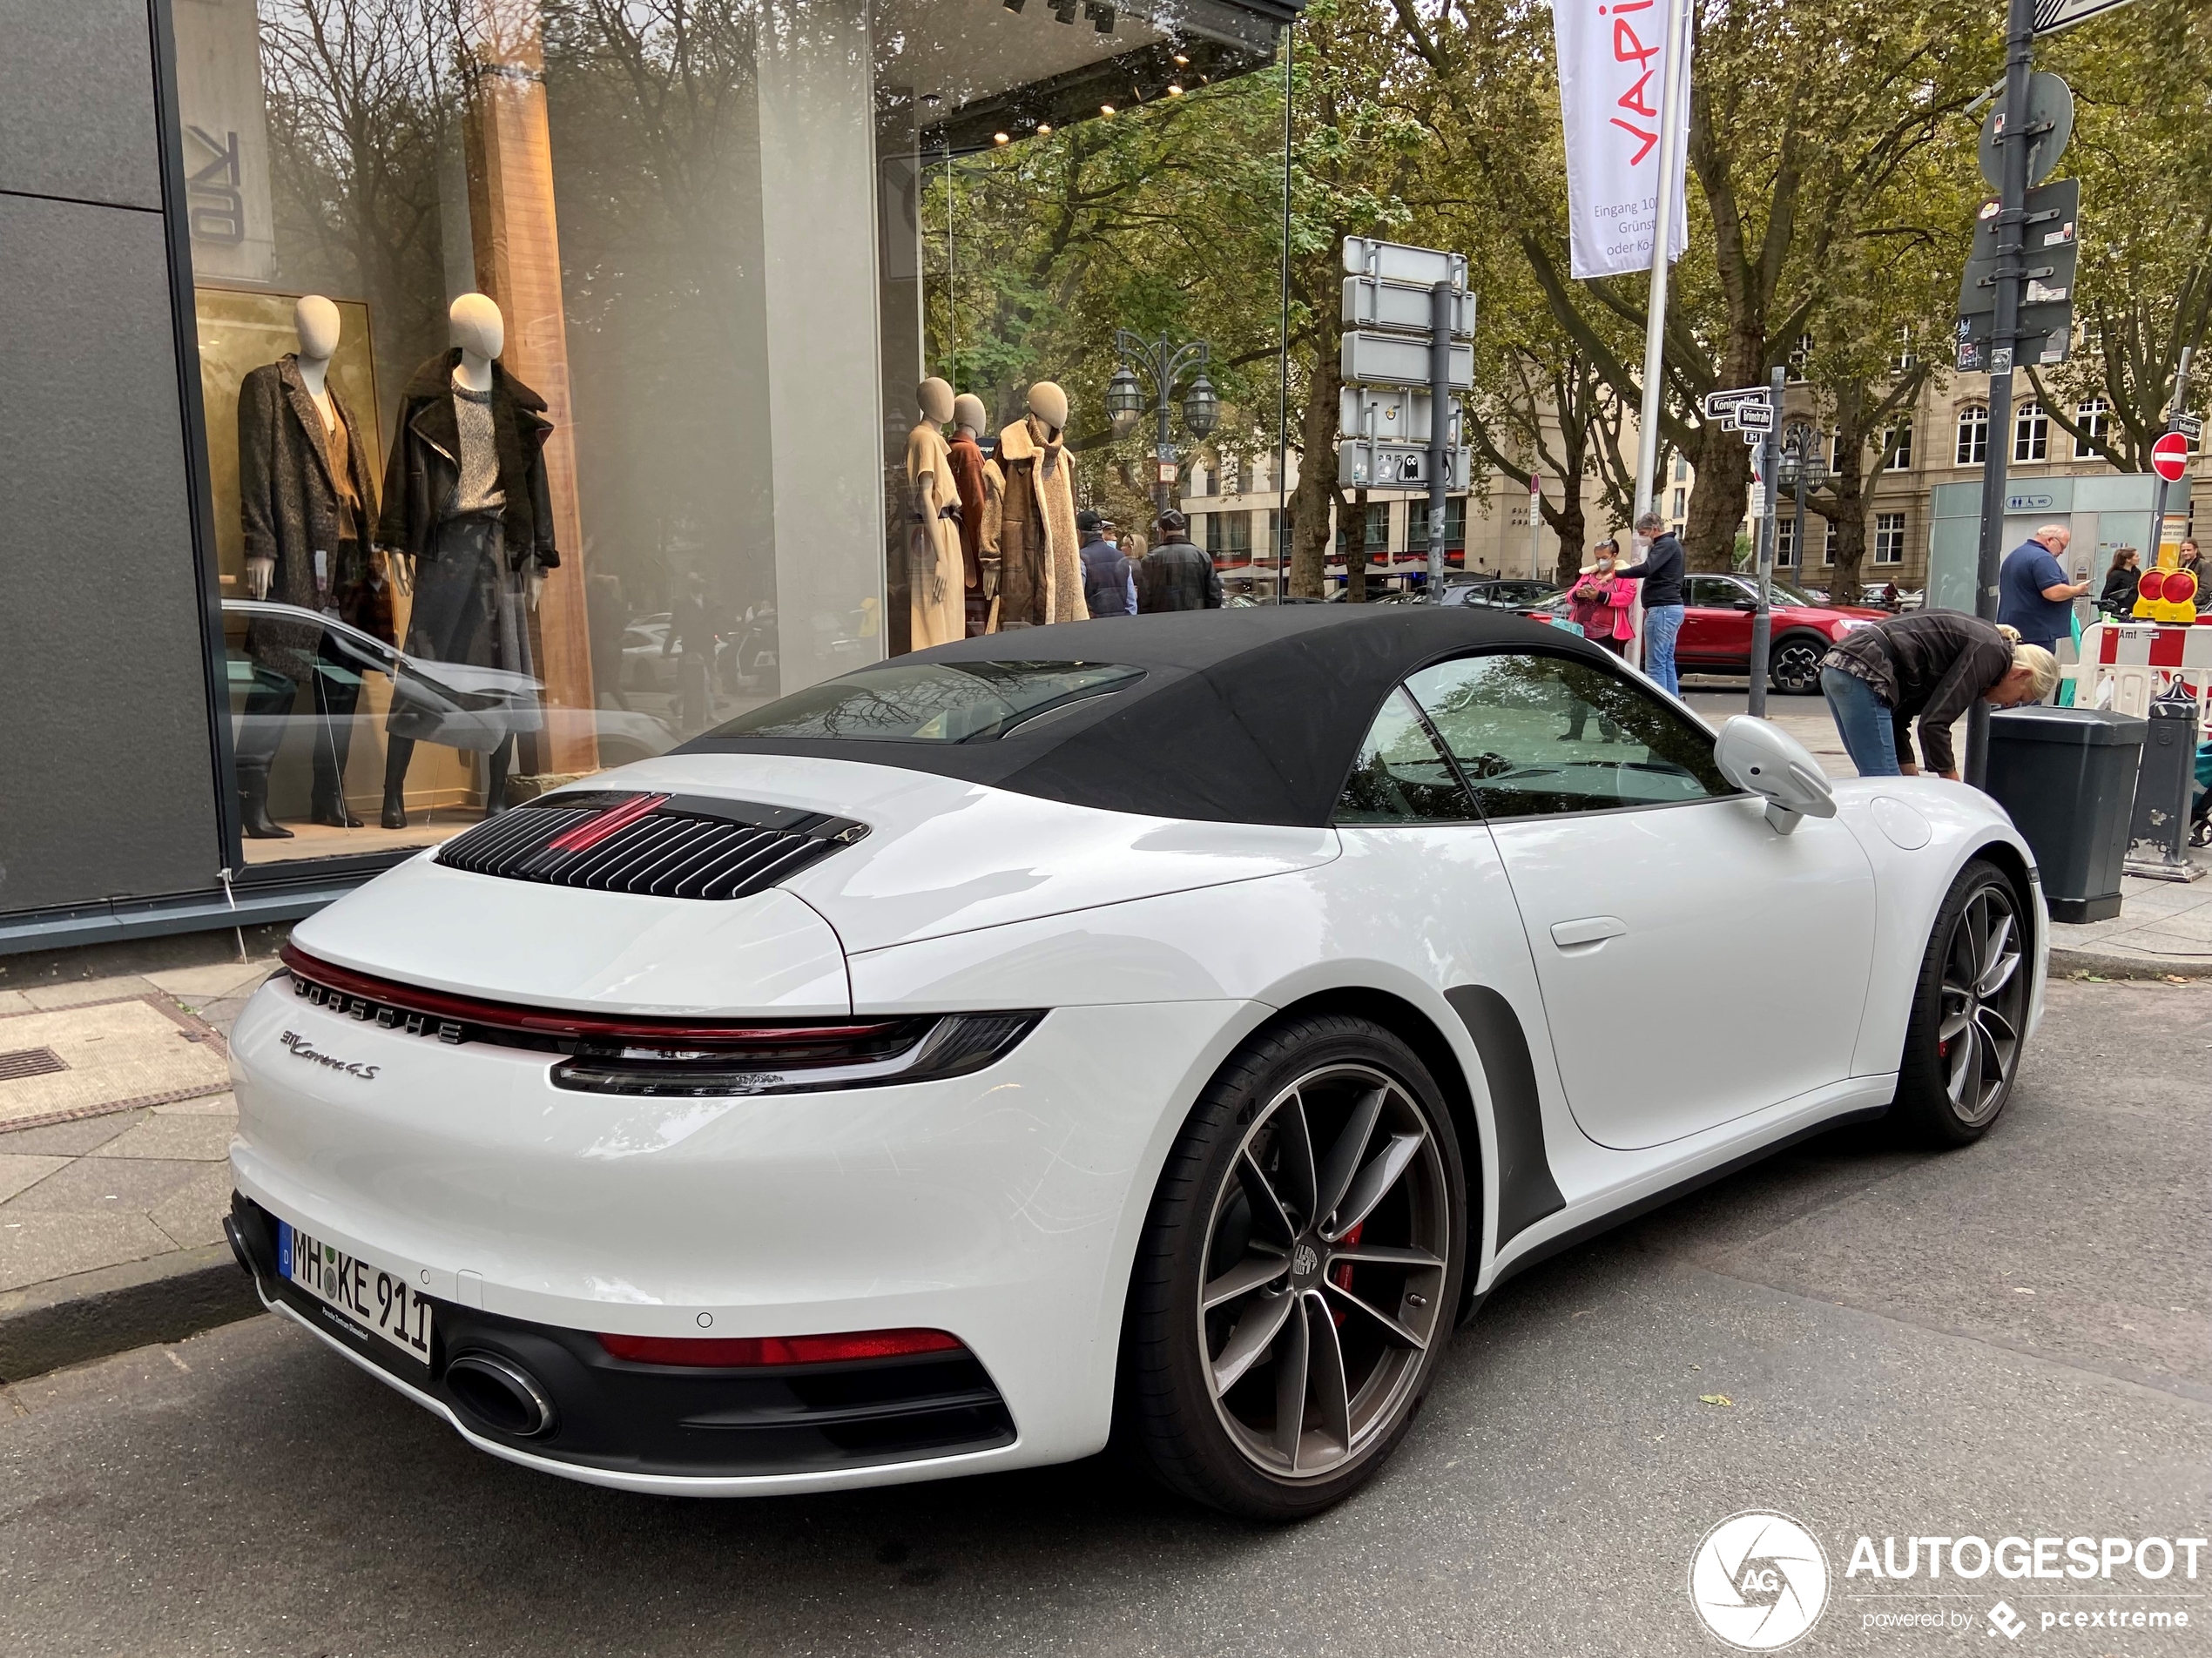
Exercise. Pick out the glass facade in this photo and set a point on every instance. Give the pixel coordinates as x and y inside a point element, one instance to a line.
<point>579,374</point>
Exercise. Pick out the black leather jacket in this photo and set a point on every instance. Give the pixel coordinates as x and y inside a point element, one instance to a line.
<point>1174,575</point>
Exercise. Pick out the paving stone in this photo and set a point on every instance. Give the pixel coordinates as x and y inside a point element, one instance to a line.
<point>221,979</point>
<point>78,992</point>
<point>20,1173</point>
<point>197,1139</point>
<point>193,1214</point>
<point>14,1001</point>
<point>208,1105</point>
<point>52,1246</point>
<point>75,1139</point>
<point>101,1184</point>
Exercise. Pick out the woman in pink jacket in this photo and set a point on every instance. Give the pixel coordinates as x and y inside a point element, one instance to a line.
<point>1600,602</point>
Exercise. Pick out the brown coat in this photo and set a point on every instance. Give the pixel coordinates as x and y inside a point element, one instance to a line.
<point>1041,577</point>
<point>968,464</point>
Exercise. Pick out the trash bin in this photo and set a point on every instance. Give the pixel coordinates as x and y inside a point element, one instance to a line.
<point>2166,784</point>
<point>2067,775</point>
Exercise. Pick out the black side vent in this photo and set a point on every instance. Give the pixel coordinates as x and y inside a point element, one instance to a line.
<point>679,845</point>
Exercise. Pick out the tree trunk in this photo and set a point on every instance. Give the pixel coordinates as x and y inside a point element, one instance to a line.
<point>1311,517</point>
<point>1724,463</point>
<point>1570,524</point>
<point>1849,490</point>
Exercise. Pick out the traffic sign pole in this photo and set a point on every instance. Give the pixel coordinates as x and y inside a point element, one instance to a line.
<point>2177,413</point>
<point>2013,146</point>
<point>1763,617</point>
<point>1439,433</point>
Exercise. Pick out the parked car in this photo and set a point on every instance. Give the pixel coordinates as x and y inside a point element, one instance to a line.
<point>1500,593</point>
<point>1716,630</point>
<point>926,1070</point>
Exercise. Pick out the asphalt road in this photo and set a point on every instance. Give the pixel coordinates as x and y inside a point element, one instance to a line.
<point>2009,1339</point>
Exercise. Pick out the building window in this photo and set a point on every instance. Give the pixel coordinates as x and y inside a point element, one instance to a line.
<point>1681,502</point>
<point>2094,417</point>
<point>1904,360</point>
<point>1828,546</point>
<point>1973,435</point>
<point>2031,434</point>
<point>1799,356</point>
<point>1237,540</point>
<point>1786,538</point>
<point>1682,468</point>
<point>1455,526</point>
<point>1896,447</point>
<point>1889,538</point>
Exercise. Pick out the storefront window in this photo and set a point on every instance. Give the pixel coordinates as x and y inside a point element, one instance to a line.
<point>560,358</point>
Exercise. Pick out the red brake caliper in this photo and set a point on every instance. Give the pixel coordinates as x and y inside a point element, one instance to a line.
<point>1340,1275</point>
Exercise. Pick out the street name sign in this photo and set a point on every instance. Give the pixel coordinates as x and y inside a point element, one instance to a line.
<point>2190,426</point>
<point>1393,414</point>
<point>1372,302</point>
<point>1423,267</point>
<point>2169,456</point>
<point>1368,358</point>
<point>2051,15</point>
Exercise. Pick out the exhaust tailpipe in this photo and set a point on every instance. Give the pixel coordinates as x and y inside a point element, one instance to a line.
<point>501,1394</point>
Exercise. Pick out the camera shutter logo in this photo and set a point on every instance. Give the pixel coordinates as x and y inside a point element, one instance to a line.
<point>1759,1581</point>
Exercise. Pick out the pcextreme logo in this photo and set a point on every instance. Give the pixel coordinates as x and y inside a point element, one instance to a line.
<point>1759,1581</point>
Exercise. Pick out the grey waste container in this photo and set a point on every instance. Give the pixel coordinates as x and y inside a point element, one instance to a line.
<point>2158,836</point>
<point>2067,775</point>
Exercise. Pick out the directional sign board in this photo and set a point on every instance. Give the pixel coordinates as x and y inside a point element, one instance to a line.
<point>2043,339</point>
<point>1753,417</point>
<point>1717,404</point>
<point>1371,359</point>
<point>2051,15</point>
<point>2053,245</point>
<point>1422,268</point>
<point>1372,302</point>
<point>2190,426</point>
<point>1390,413</point>
<point>2050,119</point>
<point>2169,456</point>
<point>1395,466</point>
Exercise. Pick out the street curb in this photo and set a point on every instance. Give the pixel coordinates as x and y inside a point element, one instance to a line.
<point>2064,961</point>
<point>93,1315</point>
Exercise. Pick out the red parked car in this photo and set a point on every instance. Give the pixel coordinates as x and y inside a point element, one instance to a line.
<point>1716,634</point>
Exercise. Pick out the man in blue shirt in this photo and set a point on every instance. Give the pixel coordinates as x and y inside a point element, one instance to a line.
<point>2033,594</point>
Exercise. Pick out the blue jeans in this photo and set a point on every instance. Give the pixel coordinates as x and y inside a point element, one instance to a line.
<point>1864,722</point>
<point>1660,624</point>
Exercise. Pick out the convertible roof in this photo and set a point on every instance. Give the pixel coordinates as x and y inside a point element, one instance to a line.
<point>1244,715</point>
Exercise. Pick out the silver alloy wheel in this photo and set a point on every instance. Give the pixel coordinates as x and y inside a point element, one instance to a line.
<point>1983,990</point>
<point>1325,1266</point>
<point>1796,666</point>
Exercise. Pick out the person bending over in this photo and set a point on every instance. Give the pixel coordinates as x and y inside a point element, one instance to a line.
<point>1928,665</point>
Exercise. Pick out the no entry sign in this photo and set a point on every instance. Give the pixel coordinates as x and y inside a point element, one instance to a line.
<point>2169,456</point>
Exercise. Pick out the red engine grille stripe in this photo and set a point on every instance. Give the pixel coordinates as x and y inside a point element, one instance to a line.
<point>561,1022</point>
<point>613,821</point>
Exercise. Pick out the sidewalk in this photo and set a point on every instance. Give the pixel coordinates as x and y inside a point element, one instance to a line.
<point>116,1117</point>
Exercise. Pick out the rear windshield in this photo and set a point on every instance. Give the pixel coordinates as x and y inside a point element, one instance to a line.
<point>933,702</point>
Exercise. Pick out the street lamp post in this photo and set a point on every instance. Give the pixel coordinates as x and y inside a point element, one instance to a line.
<point>1164,364</point>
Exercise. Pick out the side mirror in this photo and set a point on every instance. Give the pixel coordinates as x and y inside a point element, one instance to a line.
<point>1765,759</point>
<point>1747,604</point>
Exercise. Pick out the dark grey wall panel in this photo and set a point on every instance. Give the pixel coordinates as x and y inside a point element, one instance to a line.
<point>76,112</point>
<point>106,783</point>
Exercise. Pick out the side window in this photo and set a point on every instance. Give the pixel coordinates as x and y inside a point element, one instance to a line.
<point>1710,593</point>
<point>1400,776</point>
<point>1538,734</point>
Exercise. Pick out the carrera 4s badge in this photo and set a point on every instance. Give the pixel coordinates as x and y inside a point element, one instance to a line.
<point>302,1048</point>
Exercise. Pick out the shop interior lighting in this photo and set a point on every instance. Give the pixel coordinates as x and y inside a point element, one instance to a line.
<point>1044,129</point>
<point>1174,91</point>
<point>1181,60</point>
<point>1001,138</point>
<point>1105,109</point>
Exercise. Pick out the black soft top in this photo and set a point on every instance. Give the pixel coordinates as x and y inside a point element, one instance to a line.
<point>1243,716</point>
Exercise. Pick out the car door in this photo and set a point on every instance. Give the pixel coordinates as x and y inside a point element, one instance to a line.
<point>1715,633</point>
<point>1696,966</point>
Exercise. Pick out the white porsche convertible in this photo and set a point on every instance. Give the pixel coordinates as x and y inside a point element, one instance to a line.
<point>1169,1027</point>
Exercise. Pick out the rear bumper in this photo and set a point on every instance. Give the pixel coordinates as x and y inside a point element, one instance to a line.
<point>1003,1207</point>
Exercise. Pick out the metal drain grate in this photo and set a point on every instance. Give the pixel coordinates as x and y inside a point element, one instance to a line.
<point>29,1061</point>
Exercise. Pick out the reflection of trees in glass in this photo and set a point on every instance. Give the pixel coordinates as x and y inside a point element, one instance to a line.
<point>931,702</point>
<point>362,104</point>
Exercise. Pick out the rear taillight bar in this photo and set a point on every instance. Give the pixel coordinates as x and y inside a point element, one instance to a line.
<point>745,1352</point>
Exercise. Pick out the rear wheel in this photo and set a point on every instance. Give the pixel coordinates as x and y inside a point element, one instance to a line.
<point>1295,1284</point>
<point>1962,1049</point>
<point>1794,669</point>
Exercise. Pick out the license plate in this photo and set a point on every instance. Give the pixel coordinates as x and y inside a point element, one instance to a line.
<point>380,1302</point>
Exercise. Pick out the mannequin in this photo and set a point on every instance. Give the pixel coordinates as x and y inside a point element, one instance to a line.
<point>935,592</point>
<point>1039,580</point>
<point>305,501</point>
<point>968,464</point>
<point>466,503</point>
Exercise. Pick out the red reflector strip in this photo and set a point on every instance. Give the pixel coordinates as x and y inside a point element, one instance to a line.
<point>592,831</point>
<point>746,1351</point>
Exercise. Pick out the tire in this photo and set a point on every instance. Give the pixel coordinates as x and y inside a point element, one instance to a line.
<point>1793,670</point>
<point>1962,1047</point>
<point>1307,1295</point>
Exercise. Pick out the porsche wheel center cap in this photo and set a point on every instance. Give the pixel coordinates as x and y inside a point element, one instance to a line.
<point>1305,1263</point>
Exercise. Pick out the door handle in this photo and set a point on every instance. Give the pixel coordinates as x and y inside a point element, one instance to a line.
<point>1591,929</point>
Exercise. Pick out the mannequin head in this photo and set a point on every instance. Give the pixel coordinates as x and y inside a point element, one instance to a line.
<point>478,329</point>
<point>1048,404</point>
<point>315,319</point>
<point>969,414</point>
<point>935,398</point>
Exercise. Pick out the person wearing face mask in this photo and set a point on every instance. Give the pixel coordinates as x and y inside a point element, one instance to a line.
<point>1600,599</point>
<point>1661,572</point>
<point>1929,665</point>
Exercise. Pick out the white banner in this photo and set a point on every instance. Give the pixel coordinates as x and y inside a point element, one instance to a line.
<point>1610,81</point>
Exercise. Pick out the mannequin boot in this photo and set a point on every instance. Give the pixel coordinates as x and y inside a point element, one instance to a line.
<point>331,811</point>
<point>253,805</point>
<point>398,751</point>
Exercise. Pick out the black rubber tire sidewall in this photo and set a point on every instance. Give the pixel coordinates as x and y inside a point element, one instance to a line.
<point>1164,1412</point>
<point>1922,1111</point>
<point>1819,648</point>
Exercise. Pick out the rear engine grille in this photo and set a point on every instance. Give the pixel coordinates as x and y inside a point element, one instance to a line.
<point>680,846</point>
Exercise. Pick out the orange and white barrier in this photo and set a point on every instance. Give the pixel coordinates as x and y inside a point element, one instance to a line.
<point>2125,664</point>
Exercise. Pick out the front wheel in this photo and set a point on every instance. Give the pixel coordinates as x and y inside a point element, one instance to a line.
<point>1794,669</point>
<point>1298,1272</point>
<point>1962,1048</point>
